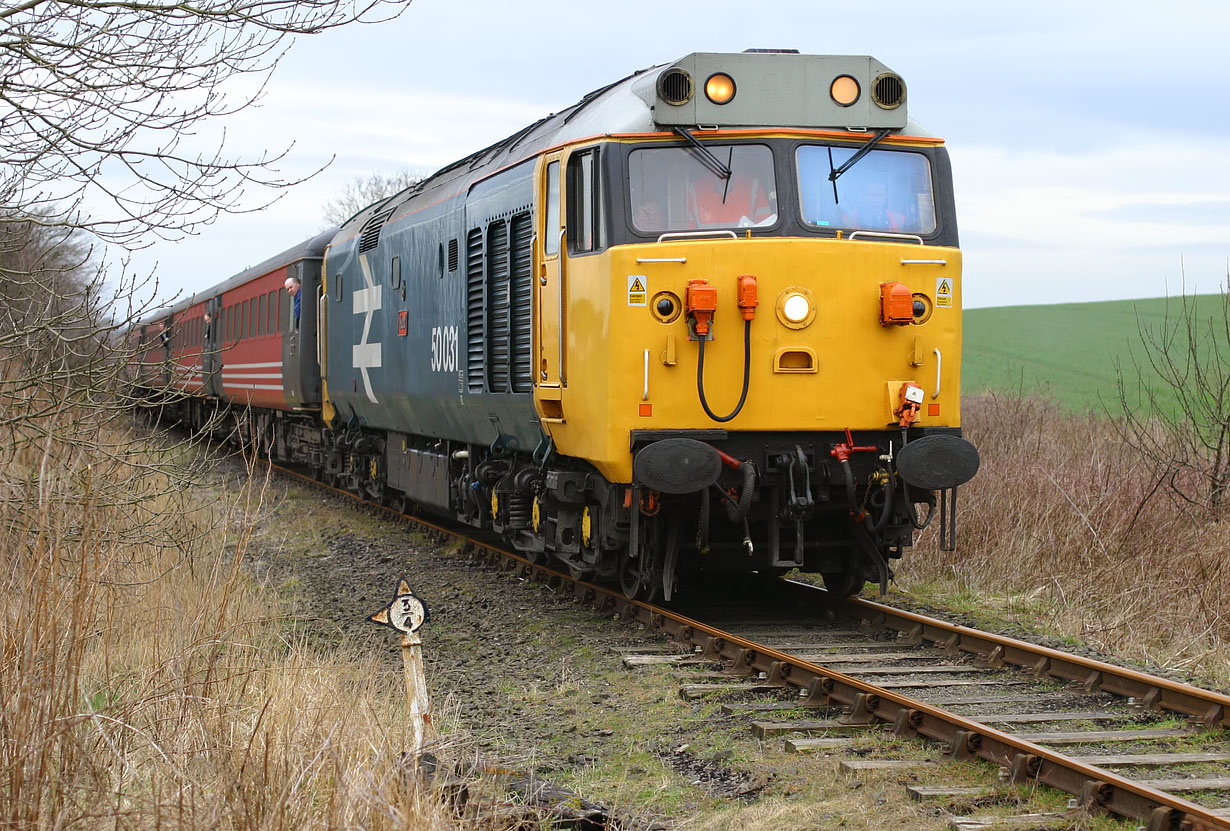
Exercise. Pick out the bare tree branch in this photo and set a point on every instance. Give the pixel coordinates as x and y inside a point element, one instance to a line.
<point>1182,422</point>
<point>102,105</point>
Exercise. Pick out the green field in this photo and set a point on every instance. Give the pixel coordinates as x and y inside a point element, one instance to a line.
<point>1070,352</point>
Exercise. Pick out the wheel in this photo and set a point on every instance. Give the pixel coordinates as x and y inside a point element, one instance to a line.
<point>842,584</point>
<point>631,580</point>
<point>641,578</point>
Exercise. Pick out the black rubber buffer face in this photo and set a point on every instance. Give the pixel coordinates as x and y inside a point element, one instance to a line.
<point>938,462</point>
<point>677,466</point>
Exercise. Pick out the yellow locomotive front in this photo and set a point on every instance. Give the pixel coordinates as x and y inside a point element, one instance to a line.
<point>747,321</point>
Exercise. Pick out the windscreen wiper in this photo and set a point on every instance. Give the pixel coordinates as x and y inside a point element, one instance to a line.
<point>707,158</point>
<point>834,173</point>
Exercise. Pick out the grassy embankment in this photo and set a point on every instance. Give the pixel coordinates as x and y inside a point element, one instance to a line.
<point>144,679</point>
<point>1067,527</point>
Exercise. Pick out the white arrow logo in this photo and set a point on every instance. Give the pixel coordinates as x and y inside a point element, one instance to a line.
<point>366,355</point>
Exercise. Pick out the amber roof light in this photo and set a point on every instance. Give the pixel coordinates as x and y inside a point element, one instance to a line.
<point>720,88</point>
<point>844,90</point>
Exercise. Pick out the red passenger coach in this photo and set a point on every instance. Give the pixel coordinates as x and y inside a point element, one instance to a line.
<point>238,349</point>
<point>267,353</point>
<point>255,317</point>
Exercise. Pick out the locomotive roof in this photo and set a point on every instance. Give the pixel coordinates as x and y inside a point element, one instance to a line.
<point>794,93</point>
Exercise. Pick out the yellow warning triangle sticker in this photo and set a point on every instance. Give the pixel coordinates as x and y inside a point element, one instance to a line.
<point>943,288</point>
<point>636,285</point>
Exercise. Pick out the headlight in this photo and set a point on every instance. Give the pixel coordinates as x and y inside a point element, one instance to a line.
<point>796,307</point>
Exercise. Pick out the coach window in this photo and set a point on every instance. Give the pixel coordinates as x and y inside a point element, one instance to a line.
<point>550,236</point>
<point>583,202</point>
<point>261,314</point>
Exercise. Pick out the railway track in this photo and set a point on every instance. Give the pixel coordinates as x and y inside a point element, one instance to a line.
<point>977,695</point>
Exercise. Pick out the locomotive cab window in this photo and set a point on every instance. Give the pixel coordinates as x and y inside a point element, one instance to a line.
<point>550,236</point>
<point>681,188</point>
<point>886,190</point>
<point>584,203</point>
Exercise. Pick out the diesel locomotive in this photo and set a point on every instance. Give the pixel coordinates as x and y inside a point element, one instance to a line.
<point>705,320</point>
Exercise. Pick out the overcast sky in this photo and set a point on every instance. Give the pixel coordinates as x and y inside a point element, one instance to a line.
<point>1090,141</point>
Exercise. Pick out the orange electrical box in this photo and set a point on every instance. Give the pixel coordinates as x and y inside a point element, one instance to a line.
<point>896,304</point>
<point>747,296</point>
<point>700,300</point>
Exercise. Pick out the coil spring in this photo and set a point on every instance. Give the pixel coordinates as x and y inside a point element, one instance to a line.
<point>520,510</point>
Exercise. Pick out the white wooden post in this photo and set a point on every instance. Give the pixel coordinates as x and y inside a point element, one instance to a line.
<point>407,613</point>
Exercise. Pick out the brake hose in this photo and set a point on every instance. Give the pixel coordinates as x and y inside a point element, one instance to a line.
<point>747,374</point>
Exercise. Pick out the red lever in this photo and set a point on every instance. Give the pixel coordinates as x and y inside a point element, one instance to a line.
<point>841,452</point>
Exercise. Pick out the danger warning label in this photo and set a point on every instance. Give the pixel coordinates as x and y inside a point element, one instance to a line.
<point>943,292</point>
<point>638,293</point>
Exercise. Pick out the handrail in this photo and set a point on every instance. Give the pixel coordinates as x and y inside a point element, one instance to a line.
<point>695,234</point>
<point>914,237</point>
<point>320,324</point>
<point>560,331</point>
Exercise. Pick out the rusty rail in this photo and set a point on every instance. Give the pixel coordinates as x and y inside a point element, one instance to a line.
<point>1211,709</point>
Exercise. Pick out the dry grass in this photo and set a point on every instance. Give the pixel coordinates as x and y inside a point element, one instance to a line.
<point>1066,527</point>
<point>145,682</point>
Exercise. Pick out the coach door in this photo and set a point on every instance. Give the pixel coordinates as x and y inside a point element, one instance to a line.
<point>551,293</point>
<point>210,343</point>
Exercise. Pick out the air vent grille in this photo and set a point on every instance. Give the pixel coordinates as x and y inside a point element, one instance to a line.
<point>369,236</point>
<point>675,86</point>
<point>498,303</point>
<point>476,352</point>
<point>522,300</point>
<point>888,91</point>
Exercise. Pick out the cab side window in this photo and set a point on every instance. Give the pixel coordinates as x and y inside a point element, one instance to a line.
<point>584,204</point>
<point>550,234</point>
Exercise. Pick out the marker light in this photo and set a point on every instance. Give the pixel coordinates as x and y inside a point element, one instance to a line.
<point>720,88</point>
<point>796,308</point>
<point>845,90</point>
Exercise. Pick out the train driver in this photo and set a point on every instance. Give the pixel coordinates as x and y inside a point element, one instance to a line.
<point>649,216</point>
<point>872,211</point>
<point>740,200</point>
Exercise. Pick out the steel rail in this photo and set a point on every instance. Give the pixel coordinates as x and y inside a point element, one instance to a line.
<point>1212,709</point>
<point>1096,788</point>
